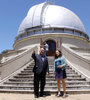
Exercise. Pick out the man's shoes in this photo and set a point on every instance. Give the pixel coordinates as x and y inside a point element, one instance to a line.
<point>36,96</point>
<point>42,95</point>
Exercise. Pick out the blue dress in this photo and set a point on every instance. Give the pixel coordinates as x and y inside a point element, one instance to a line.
<point>60,72</point>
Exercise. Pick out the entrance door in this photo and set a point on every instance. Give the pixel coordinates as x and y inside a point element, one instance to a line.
<point>52,47</point>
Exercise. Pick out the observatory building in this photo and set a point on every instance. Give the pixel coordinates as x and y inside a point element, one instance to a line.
<point>57,26</point>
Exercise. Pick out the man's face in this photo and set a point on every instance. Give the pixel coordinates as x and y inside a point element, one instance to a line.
<point>42,51</point>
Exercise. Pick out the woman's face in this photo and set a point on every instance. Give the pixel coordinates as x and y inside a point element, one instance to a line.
<point>57,53</point>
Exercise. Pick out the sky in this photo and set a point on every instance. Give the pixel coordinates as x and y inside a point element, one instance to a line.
<point>12,12</point>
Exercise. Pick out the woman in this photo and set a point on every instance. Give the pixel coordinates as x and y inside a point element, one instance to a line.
<point>60,72</point>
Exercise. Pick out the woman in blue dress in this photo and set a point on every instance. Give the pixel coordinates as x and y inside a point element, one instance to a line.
<point>60,72</point>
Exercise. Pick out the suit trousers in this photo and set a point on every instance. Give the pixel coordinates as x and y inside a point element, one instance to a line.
<point>39,78</point>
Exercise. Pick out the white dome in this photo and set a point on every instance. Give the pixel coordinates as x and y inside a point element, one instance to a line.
<point>49,15</point>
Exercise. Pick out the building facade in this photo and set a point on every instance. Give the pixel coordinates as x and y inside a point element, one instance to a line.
<point>57,26</point>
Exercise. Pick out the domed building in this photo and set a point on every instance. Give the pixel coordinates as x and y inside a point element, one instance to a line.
<point>51,24</point>
<point>61,29</point>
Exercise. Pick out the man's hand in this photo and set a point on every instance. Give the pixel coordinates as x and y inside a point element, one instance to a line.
<point>34,51</point>
<point>54,74</point>
<point>47,73</point>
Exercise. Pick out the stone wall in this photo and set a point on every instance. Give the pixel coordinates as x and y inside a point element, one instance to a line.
<point>79,62</point>
<point>16,63</point>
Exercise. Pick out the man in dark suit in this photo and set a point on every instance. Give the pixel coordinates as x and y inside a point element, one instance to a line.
<point>40,70</point>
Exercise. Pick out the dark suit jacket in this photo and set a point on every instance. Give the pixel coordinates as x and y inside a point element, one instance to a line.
<point>41,67</point>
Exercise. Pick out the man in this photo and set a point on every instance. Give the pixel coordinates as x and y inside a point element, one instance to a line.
<point>40,70</point>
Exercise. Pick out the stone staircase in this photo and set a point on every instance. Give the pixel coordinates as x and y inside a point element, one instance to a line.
<point>23,81</point>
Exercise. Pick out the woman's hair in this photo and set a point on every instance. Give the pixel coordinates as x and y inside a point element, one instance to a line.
<point>59,55</point>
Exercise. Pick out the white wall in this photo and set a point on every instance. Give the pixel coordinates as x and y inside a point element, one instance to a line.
<point>66,39</point>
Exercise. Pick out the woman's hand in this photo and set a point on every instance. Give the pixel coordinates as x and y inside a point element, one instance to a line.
<point>60,66</point>
<point>53,73</point>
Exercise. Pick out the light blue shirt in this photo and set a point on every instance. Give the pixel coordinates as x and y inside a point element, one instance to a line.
<point>63,62</point>
<point>47,47</point>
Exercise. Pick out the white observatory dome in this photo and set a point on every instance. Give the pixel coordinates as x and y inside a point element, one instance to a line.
<point>49,15</point>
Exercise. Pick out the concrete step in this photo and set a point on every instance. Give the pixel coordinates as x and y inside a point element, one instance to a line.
<point>23,81</point>
<point>48,83</point>
<point>50,66</point>
<point>50,69</point>
<point>47,79</point>
<point>47,91</point>
<point>50,73</point>
<point>50,76</point>
<point>46,87</point>
<point>29,71</point>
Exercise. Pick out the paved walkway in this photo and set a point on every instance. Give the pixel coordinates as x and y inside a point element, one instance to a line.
<point>11,96</point>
